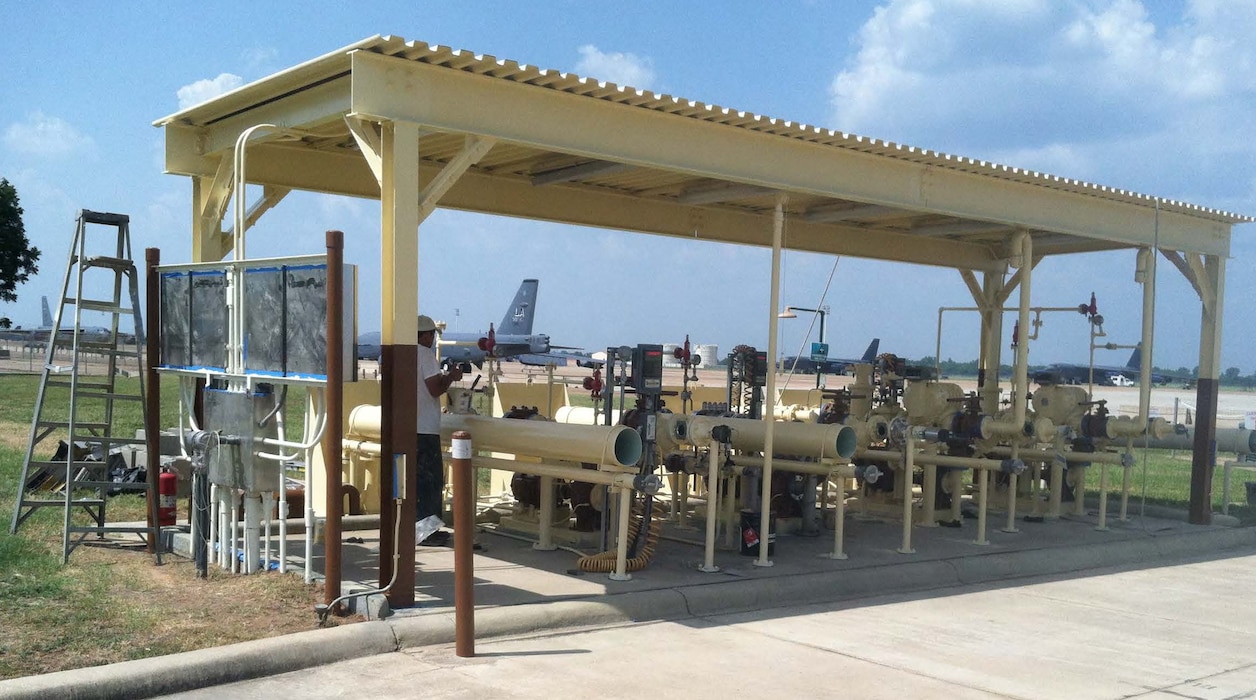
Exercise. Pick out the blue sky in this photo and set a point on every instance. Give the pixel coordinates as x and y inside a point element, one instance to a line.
<point>1156,97</point>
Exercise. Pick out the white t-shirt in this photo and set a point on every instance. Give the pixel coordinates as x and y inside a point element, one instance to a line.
<point>428,422</point>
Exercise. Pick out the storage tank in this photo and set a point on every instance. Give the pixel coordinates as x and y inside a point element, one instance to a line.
<point>669,355</point>
<point>710,355</point>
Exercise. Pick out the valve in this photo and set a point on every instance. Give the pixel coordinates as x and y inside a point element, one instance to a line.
<point>1012,466</point>
<point>647,483</point>
<point>868,473</point>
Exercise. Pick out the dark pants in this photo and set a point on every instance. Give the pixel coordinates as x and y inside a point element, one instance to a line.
<point>429,477</point>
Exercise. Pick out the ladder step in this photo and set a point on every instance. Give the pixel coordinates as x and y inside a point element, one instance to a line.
<point>77,424</point>
<point>100,395</point>
<point>104,217</point>
<point>112,485</point>
<point>110,528</point>
<point>81,384</point>
<point>119,264</point>
<point>93,305</point>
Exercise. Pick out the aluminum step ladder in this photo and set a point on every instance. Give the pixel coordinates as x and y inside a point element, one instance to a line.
<point>72,435</point>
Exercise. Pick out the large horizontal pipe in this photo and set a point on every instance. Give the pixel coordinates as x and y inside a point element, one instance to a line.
<point>588,476</point>
<point>616,445</point>
<point>583,415</point>
<point>993,465</point>
<point>793,465</point>
<point>797,439</point>
<point>1235,440</point>
<point>1070,456</point>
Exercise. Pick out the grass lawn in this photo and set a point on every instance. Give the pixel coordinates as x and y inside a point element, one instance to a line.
<point>112,603</point>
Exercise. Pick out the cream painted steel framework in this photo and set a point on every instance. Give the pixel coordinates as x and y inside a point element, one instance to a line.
<point>416,126</point>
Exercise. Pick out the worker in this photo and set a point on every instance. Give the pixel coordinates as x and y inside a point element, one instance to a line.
<point>429,466</point>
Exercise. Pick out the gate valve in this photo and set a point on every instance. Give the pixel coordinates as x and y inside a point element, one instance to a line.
<point>487,344</point>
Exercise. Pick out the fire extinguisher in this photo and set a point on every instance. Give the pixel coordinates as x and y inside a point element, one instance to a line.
<point>167,486</point>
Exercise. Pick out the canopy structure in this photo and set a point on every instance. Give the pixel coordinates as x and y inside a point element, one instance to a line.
<point>419,126</point>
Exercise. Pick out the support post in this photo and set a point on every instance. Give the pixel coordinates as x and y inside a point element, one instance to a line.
<point>464,545</point>
<point>335,407</point>
<point>152,401</point>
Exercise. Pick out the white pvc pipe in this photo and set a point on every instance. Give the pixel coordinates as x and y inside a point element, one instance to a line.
<point>712,507</point>
<point>769,422</point>
<point>545,516</point>
<point>621,551</point>
<point>909,451</point>
<point>211,552</point>
<point>268,502</point>
<point>813,440</point>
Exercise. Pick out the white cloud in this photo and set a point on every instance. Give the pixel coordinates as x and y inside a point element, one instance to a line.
<point>260,57</point>
<point>46,136</point>
<point>1064,84</point>
<point>624,69</point>
<point>195,93</point>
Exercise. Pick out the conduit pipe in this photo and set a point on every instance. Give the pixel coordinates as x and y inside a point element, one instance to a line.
<point>812,440</point>
<point>1142,424</point>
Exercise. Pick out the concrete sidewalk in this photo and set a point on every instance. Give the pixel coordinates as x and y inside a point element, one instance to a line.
<point>520,590</point>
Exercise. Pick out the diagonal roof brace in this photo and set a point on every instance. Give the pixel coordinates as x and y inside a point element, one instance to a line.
<point>723,193</point>
<point>579,172</point>
<point>829,214</point>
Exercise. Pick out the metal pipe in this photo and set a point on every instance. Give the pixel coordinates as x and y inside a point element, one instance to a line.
<point>983,481</point>
<point>615,445</point>
<point>335,408</point>
<point>1103,498</point>
<point>929,491</point>
<point>152,396</point>
<point>1023,257</point>
<point>582,415</point>
<point>621,549</point>
<point>769,422</point>
<point>464,544</point>
<point>796,439</point>
<point>909,451</point>
<point>588,476</point>
<point>712,507</point>
<point>839,522</point>
<point>823,468</point>
<point>545,517</point>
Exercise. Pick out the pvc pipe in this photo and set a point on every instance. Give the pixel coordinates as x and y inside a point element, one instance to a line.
<point>769,423</point>
<point>796,439</point>
<point>582,415</point>
<point>252,532</point>
<point>930,488</point>
<point>839,522</point>
<point>621,551</point>
<point>268,500</point>
<point>213,521</point>
<point>1103,498</point>
<point>909,451</point>
<point>545,521</point>
<point>588,476</point>
<point>1237,440</point>
<point>712,507</point>
<point>983,481</point>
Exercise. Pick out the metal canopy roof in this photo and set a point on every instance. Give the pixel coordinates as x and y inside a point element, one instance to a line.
<point>575,150</point>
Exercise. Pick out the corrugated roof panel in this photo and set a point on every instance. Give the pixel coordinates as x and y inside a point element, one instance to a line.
<point>490,66</point>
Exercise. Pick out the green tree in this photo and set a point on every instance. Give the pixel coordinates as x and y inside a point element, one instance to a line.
<point>17,257</point>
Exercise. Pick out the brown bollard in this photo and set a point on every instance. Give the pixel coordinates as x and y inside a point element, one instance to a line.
<point>464,545</point>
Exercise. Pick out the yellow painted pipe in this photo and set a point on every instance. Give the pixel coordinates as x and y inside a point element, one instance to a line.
<point>797,439</point>
<point>615,445</point>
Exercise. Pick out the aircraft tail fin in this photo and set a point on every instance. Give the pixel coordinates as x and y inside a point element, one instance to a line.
<point>1136,359</point>
<point>518,318</point>
<point>871,353</point>
<point>47,313</point>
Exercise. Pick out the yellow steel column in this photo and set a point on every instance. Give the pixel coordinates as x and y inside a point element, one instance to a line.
<point>399,235</point>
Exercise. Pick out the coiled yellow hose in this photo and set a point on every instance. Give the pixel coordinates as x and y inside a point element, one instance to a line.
<point>604,562</point>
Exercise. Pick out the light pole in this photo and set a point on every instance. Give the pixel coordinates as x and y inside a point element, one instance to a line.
<point>823,311</point>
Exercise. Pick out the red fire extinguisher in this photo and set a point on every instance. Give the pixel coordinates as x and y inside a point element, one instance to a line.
<point>167,486</point>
